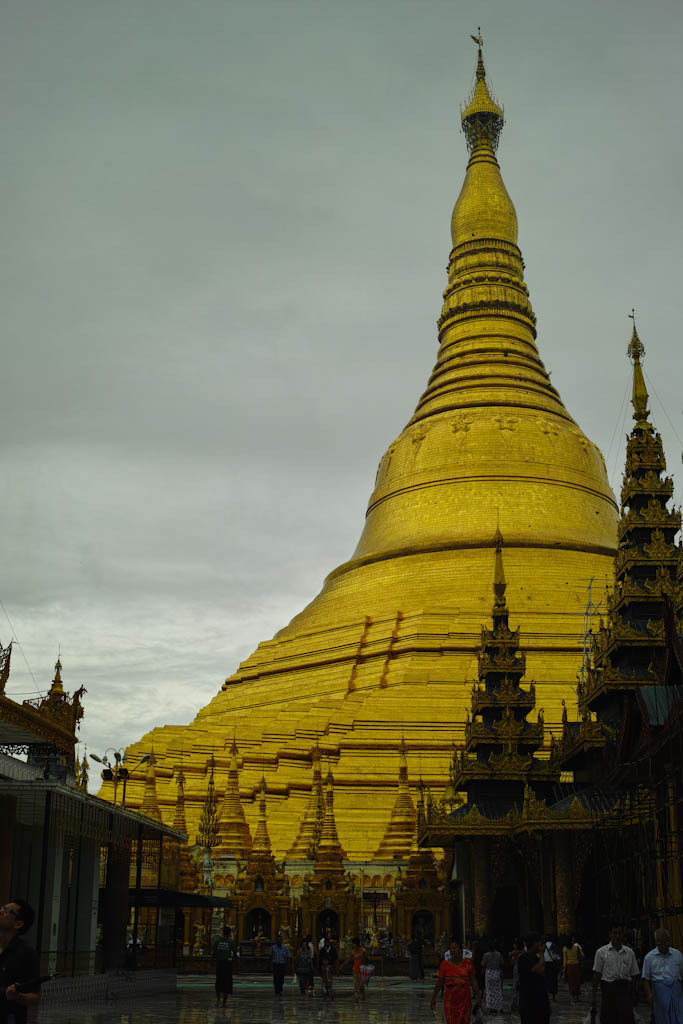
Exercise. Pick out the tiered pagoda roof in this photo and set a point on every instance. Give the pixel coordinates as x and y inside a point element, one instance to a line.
<point>628,649</point>
<point>330,854</point>
<point>500,744</point>
<point>234,837</point>
<point>207,835</point>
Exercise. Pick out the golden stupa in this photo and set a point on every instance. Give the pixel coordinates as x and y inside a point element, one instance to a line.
<point>387,650</point>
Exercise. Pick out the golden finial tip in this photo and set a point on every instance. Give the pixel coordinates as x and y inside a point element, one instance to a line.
<point>635,349</point>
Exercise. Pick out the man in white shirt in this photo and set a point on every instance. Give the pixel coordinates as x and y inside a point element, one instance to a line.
<point>615,969</point>
<point>552,961</point>
<point>662,977</point>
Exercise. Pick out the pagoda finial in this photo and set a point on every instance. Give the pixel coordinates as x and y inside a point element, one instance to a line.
<point>57,687</point>
<point>478,39</point>
<point>482,119</point>
<point>639,395</point>
<point>499,582</point>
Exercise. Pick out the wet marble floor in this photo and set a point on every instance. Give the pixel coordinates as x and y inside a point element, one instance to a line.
<point>389,1001</point>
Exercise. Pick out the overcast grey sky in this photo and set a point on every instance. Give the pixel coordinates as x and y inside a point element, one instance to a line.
<point>226,228</point>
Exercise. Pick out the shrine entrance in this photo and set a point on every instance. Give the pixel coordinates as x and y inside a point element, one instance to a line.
<point>257,924</point>
<point>328,918</point>
<point>504,921</point>
<point>423,926</point>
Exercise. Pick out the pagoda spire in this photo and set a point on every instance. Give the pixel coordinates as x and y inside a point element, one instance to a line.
<point>261,844</point>
<point>179,818</point>
<point>399,839</point>
<point>234,837</point>
<point>208,823</point>
<point>150,802</point>
<point>308,836</point>
<point>499,583</point>
<point>489,399</point>
<point>330,853</point>
<point>629,649</point>
<point>500,743</point>
<point>639,395</point>
<point>57,688</point>
<point>482,117</point>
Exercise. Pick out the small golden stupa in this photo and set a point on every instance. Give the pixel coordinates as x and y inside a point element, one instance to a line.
<point>388,647</point>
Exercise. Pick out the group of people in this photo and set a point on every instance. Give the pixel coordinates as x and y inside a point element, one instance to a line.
<point>615,975</point>
<point>308,959</point>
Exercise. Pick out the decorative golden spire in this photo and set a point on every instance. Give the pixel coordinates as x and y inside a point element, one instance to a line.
<point>330,852</point>
<point>234,837</point>
<point>57,689</point>
<point>150,802</point>
<point>639,395</point>
<point>308,836</point>
<point>399,839</point>
<point>84,776</point>
<point>645,568</point>
<point>179,818</point>
<point>208,823</point>
<point>499,584</point>
<point>261,837</point>
<point>482,119</point>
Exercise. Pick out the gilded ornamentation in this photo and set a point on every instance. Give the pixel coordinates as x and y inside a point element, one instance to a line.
<point>506,423</point>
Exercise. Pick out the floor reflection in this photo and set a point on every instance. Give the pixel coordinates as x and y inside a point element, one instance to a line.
<point>389,1001</point>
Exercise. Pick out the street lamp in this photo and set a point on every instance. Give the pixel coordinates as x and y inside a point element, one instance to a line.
<point>117,770</point>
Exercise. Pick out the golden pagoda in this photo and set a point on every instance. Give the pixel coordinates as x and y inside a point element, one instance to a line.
<point>389,646</point>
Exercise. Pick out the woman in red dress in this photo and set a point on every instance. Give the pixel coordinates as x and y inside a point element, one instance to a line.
<point>457,980</point>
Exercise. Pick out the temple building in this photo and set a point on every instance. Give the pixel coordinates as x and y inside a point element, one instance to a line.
<point>594,833</point>
<point>332,745</point>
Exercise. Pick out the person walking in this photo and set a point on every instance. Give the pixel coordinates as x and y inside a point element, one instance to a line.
<point>552,960</point>
<point>662,980</point>
<point>513,956</point>
<point>304,969</point>
<point>458,982</point>
<point>358,956</point>
<point>224,953</point>
<point>415,968</point>
<point>615,970</point>
<point>492,967</point>
<point>280,959</point>
<point>327,961</point>
<point>19,964</point>
<point>534,1004</point>
<point>572,958</point>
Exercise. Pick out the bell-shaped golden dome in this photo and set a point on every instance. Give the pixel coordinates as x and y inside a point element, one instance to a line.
<point>389,645</point>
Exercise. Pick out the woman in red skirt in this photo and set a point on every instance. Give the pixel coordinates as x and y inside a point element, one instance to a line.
<point>458,982</point>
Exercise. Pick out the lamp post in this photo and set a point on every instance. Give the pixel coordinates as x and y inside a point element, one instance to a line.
<point>117,771</point>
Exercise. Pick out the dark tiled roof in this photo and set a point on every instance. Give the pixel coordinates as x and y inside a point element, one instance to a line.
<point>659,700</point>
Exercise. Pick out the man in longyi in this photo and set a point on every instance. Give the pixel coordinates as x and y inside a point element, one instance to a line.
<point>662,977</point>
<point>615,970</point>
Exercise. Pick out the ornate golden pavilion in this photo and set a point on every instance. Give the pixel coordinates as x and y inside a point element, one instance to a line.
<point>372,681</point>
